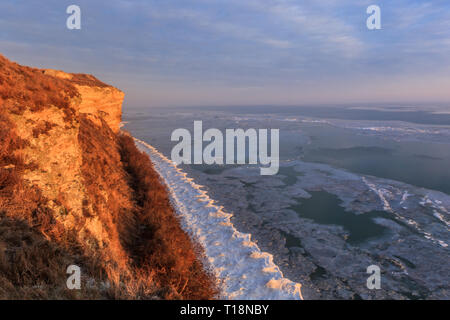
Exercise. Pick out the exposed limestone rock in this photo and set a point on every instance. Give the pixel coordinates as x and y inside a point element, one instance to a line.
<point>79,192</point>
<point>96,98</point>
<point>105,102</point>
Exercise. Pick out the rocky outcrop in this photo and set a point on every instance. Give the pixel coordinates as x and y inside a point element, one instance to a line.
<point>55,146</point>
<point>96,98</point>
<point>70,154</point>
<point>105,102</point>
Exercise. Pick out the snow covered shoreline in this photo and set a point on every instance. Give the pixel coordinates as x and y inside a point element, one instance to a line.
<point>245,271</point>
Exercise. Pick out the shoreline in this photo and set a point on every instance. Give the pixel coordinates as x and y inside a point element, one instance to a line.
<point>237,262</point>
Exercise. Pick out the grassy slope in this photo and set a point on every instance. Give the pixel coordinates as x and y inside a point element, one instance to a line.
<point>146,254</point>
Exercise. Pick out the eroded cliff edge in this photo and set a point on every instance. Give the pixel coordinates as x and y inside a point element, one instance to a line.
<point>74,190</point>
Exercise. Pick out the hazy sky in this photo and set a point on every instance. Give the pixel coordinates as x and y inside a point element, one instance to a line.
<point>220,52</point>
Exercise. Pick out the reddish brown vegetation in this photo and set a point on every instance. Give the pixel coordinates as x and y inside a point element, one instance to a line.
<point>161,245</point>
<point>32,266</point>
<point>42,128</point>
<point>145,253</point>
<point>87,80</point>
<point>108,198</point>
<point>24,87</point>
<point>144,235</point>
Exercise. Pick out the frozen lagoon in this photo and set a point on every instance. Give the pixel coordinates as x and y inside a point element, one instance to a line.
<point>411,245</point>
<point>411,249</point>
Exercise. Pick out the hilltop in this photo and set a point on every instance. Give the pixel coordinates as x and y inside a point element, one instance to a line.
<point>75,190</point>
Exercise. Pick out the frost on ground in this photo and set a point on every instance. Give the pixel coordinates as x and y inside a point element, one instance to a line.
<point>244,270</point>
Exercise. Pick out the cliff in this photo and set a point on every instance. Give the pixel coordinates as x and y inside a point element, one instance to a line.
<point>96,97</point>
<point>77,191</point>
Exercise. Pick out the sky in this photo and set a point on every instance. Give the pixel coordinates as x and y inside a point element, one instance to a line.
<point>240,52</point>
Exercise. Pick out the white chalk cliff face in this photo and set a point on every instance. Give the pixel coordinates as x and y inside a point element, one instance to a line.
<point>244,270</point>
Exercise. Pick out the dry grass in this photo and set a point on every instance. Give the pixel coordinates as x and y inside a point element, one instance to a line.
<point>35,249</point>
<point>87,80</point>
<point>24,88</point>
<point>108,199</point>
<point>143,252</point>
<point>154,256</point>
<point>31,267</point>
<point>161,244</point>
<point>42,127</point>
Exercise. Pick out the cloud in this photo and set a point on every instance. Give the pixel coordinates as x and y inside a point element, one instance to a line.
<point>317,23</point>
<point>295,47</point>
